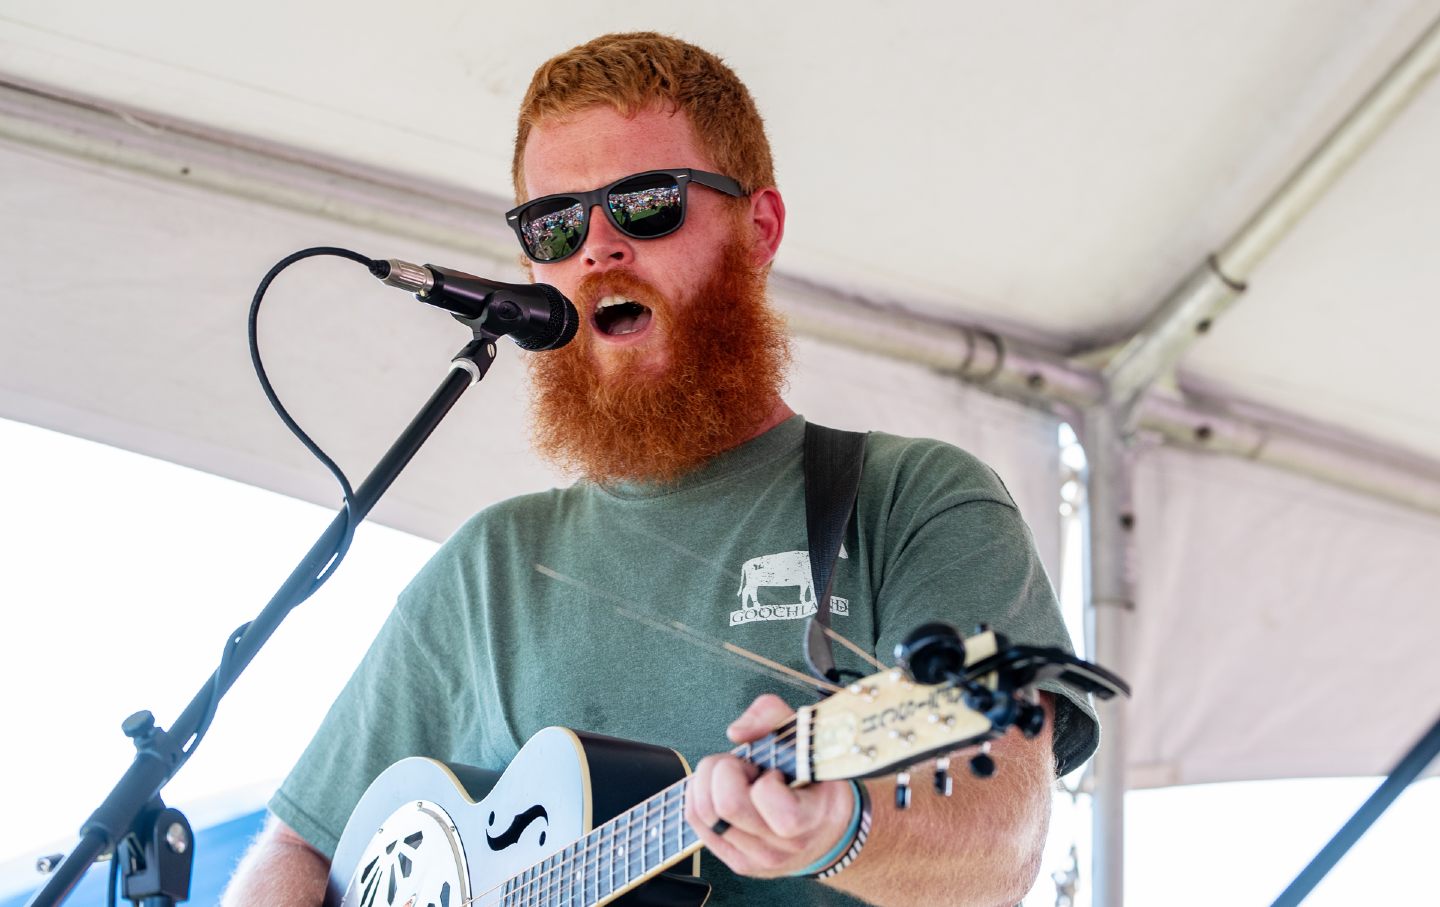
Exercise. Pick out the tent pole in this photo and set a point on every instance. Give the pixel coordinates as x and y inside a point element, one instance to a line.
<point>1109,607</point>
<point>1152,352</point>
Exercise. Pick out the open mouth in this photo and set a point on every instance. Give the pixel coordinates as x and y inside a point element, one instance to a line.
<point>616,316</point>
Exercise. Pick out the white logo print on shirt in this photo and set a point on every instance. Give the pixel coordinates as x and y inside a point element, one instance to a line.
<point>783,570</point>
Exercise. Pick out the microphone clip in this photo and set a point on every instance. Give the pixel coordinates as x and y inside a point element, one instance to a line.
<point>536,316</point>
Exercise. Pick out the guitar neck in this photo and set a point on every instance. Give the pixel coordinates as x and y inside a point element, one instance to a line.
<point>636,845</point>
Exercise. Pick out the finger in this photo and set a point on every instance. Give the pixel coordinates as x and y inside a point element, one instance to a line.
<point>767,711</point>
<point>730,781</point>
<point>699,808</point>
<point>788,812</point>
<point>748,854</point>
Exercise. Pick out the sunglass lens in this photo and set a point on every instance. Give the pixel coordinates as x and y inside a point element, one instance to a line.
<point>646,206</point>
<point>552,228</point>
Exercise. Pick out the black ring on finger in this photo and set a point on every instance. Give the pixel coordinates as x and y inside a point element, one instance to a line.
<point>720,827</point>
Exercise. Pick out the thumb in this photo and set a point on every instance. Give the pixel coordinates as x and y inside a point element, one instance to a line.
<point>767,711</point>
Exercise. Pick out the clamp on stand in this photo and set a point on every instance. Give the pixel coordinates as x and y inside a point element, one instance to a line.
<point>155,858</point>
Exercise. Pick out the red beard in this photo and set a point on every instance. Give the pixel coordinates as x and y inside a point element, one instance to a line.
<point>727,353</point>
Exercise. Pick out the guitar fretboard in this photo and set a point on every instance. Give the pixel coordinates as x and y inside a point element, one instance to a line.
<point>645,840</point>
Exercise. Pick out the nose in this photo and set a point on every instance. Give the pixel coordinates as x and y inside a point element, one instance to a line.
<point>605,245</point>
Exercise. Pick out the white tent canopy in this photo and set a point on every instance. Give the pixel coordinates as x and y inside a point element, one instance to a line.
<point>955,173</point>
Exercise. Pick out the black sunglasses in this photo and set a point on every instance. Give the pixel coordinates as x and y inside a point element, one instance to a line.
<point>645,205</point>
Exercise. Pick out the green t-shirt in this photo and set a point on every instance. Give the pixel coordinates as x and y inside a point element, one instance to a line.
<point>543,610</point>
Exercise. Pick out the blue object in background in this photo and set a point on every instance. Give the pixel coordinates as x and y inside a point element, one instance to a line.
<point>218,849</point>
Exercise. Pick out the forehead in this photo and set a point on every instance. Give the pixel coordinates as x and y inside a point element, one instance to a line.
<point>599,145</point>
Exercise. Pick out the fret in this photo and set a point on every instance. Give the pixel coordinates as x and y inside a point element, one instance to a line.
<point>610,851</point>
<point>572,874</point>
<point>680,823</point>
<point>622,849</point>
<point>652,835</point>
<point>547,879</point>
<point>634,835</point>
<point>661,835</point>
<point>551,874</point>
<point>687,835</point>
<point>644,835</point>
<point>587,859</point>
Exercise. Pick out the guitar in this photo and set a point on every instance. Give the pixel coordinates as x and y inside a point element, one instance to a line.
<point>580,819</point>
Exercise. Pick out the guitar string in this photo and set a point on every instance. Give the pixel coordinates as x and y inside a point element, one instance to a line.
<point>774,742</point>
<point>830,632</point>
<point>771,748</point>
<point>605,834</point>
<point>676,628</point>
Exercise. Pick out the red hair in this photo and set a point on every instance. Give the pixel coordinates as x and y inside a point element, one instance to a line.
<point>641,70</point>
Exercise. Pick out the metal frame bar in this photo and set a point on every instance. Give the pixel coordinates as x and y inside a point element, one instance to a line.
<point>1000,361</point>
<point>1177,324</point>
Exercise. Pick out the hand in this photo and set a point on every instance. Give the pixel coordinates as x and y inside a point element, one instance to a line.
<point>775,830</point>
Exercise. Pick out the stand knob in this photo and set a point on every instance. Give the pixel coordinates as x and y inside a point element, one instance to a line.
<point>932,653</point>
<point>139,725</point>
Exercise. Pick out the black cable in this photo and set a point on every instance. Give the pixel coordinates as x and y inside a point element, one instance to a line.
<point>342,545</point>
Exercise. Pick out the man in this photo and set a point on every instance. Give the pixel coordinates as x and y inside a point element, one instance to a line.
<point>648,197</point>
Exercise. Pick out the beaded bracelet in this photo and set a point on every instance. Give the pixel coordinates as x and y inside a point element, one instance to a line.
<point>844,853</point>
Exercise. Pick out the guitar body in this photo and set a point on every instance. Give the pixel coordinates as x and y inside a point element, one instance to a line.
<point>427,833</point>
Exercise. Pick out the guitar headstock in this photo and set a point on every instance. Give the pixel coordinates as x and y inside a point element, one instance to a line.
<point>890,720</point>
<point>947,694</point>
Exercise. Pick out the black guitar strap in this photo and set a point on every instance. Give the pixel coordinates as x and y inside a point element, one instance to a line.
<point>833,461</point>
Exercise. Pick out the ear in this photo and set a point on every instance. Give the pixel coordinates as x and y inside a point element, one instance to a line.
<point>767,224</point>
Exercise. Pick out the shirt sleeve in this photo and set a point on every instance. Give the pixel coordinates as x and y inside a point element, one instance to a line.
<point>956,549</point>
<point>395,705</point>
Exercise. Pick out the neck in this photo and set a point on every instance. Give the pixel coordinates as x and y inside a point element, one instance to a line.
<point>637,844</point>
<point>778,413</point>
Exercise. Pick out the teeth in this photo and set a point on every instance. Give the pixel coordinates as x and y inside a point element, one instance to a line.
<point>612,300</point>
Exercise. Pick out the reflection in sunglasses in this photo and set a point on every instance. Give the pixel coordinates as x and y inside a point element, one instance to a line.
<point>557,233</point>
<point>632,206</point>
<point>554,234</point>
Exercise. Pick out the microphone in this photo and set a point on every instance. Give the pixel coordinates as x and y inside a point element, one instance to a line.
<point>535,315</point>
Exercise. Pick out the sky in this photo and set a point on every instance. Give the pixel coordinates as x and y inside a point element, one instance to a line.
<point>121,576</point>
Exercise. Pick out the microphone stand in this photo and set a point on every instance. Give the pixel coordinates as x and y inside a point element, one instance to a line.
<point>154,843</point>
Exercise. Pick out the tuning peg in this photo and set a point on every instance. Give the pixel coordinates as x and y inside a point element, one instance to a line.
<point>902,790</point>
<point>1031,719</point>
<point>979,698</point>
<point>982,766</point>
<point>932,653</point>
<point>944,784</point>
